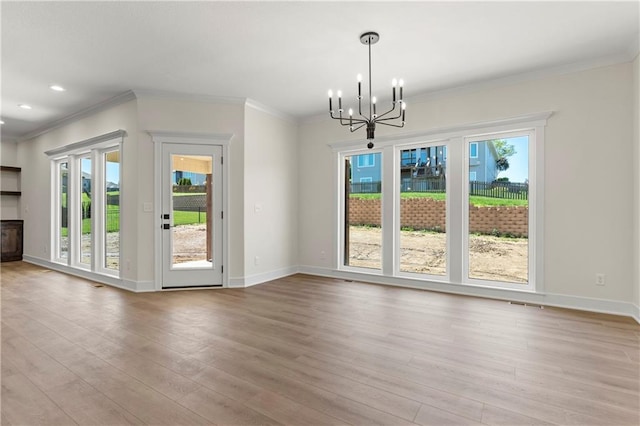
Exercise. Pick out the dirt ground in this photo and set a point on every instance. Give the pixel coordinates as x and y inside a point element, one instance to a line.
<point>189,243</point>
<point>492,258</point>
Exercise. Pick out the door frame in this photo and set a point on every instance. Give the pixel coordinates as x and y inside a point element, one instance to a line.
<point>159,138</point>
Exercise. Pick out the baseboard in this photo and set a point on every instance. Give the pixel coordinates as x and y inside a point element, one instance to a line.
<point>130,285</point>
<point>251,280</point>
<point>547,299</point>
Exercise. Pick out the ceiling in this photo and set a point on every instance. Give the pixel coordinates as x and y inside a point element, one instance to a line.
<point>286,55</point>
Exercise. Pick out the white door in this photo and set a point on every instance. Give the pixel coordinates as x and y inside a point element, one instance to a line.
<point>191,215</point>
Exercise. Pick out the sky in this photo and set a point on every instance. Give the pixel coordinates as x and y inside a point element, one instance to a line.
<point>518,169</point>
<point>113,170</point>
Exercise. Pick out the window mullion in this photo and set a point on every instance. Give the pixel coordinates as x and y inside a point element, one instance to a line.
<point>456,208</point>
<point>389,190</point>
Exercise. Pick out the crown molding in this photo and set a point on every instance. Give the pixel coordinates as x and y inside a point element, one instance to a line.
<point>101,106</point>
<point>162,94</point>
<point>574,67</point>
<point>251,103</point>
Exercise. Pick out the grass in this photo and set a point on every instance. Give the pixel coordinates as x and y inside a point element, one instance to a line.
<point>475,200</point>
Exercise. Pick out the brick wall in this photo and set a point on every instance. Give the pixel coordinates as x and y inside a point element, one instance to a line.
<point>427,213</point>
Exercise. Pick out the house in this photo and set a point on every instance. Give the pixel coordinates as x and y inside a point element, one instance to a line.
<point>482,162</point>
<point>417,166</point>
<point>297,335</point>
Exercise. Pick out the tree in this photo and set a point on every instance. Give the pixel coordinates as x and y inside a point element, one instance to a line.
<point>503,151</point>
<point>184,182</point>
<point>502,164</point>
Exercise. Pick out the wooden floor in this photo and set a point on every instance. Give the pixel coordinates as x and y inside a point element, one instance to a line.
<point>304,351</point>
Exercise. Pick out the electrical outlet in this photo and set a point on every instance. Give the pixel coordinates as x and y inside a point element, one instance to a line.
<point>323,255</point>
<point>600,279</point>
<point>256,260</point>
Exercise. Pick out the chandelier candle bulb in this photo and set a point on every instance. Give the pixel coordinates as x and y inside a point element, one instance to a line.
<point>373,101</point>
<point>401,83</point>
<point>330,105</point>
<point>359,78</point>
<point>340,100</point>
<point>394,83</point>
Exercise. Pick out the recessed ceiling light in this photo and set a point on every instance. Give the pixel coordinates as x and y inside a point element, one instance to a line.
<point>57,88</point>
<point>24,106</point>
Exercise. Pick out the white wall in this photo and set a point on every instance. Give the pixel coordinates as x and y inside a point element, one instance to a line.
<point>163,114</point>
<point>636,179</point>
<point>9,204</point>
<point>588,172</point>
<point>271,195</point>
<point>36,180</point>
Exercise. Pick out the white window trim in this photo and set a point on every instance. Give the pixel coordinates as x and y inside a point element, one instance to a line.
<point>56,217</point>
<point>533,235</point>
<point>455,186</point>
<point>475,176</point>
<point>397,217</point>
<point>72,154</point>
<point>366,179</point>
<point>341,213</point>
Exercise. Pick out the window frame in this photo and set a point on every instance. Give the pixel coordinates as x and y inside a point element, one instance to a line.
<point>94,149</point>
<point>398,217</point>
<point>533,233</point>
<point>342,214</point>
<point>457,178</point>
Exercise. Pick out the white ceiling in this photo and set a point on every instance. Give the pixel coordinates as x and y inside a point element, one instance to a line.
<point>286,55</point>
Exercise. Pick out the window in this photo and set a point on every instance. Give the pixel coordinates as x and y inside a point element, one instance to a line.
<point>84,230</point>
<point>423,212</point>
<point>402,222</point>
<point>473,150</point>
<point>86,207</point>
<point>362,226</point>
<point>61,227</point>
<point>498,211</point>
<point>111,164</point>
<point>366,160</point>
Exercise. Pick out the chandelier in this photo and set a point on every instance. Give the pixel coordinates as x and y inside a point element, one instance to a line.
<point>373,118</point>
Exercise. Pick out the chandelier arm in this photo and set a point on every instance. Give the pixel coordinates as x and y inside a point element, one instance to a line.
<point>359,127</point>
<point>344,122</point>
<point>391,110</point>
<point>392,125</point>
<point>390,118</point>
<point>356,120</point>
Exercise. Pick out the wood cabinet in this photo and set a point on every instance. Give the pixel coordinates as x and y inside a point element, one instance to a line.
<point>12,240</point>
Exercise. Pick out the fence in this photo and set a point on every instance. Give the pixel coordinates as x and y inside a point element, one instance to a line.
<point>498,189</point>
<point>423,185</point>
<point>366,187</point>
<point>495,189</point>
